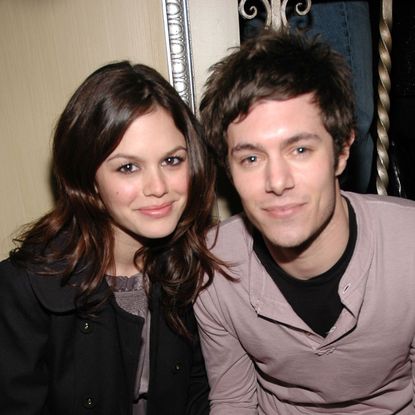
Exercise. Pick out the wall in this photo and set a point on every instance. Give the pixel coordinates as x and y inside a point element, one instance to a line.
<point>214,27</point>
<point>214,30</point>
<point>47,48</point>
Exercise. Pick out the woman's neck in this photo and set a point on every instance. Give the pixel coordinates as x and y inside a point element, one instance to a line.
<point>125,248</point>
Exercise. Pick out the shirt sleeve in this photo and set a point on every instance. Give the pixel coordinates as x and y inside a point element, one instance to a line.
<point>23,344</point>
<point>412,356</point>
<point>231,372</point>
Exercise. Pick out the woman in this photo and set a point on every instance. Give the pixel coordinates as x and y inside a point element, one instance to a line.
<point>96,302</point>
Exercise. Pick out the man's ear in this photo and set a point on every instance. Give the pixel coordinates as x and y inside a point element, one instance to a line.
<point>344,155</point>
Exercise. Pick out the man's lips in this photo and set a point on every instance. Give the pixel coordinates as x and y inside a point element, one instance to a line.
<point>283,211</point>
<point>157,211</point>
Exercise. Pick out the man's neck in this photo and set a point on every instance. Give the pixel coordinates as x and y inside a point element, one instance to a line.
<point>319,255</point>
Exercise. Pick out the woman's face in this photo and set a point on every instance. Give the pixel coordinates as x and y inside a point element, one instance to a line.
<point>143,183</point>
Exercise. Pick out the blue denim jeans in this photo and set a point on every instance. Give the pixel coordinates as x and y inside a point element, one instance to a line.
<point>345,25</point>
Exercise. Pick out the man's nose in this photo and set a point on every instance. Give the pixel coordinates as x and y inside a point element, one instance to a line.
<point>279,176</point>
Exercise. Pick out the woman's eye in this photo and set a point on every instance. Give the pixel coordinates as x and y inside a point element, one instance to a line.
<point>172,161</point>
<point>128,168</point>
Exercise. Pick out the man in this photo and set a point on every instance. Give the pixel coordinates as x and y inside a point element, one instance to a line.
<point>319,315</point>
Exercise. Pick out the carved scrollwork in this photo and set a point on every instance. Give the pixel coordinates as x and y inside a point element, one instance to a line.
<point>275,11</point>
<point>253,11</point>
<point>301,8</point>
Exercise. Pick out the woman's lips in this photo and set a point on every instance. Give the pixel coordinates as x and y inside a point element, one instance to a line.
<point>157,211</point>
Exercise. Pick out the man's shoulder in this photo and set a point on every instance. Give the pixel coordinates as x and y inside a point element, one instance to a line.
<point>381,205</point>
<point>231,237</point>
<point>384,215</point>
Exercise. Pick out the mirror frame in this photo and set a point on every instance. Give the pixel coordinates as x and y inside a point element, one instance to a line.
<point>179,52</point>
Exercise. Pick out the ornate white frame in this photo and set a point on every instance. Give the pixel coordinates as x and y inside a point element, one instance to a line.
<point>179,51</point>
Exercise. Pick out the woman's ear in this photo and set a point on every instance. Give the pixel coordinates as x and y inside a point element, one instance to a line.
<point>343,156</point>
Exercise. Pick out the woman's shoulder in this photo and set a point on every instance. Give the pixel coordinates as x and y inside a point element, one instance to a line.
<point>29,281</point>
<point>11,274</point>
<point>16,291</point>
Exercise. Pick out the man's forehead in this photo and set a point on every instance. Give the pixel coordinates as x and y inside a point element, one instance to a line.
<point>310,98</point>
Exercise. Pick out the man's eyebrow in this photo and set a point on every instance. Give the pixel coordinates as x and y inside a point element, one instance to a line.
<point>247,146</point>
<point>301,137</point>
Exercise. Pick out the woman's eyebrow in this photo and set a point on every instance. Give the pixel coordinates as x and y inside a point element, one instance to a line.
<point>132,156</point>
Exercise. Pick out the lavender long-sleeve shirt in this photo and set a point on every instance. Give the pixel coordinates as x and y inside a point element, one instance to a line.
<point>263,359</point>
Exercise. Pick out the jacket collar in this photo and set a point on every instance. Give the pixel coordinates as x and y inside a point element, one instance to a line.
<point>58,297</point>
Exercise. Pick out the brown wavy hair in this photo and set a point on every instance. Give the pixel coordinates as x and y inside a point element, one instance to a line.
<point>77,232</point>
<point>277,66</point>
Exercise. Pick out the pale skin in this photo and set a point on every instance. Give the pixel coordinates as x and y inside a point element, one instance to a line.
<point>282,163</point>
<point>143,185</point>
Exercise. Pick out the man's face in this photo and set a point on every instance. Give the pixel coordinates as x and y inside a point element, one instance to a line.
<point>282,163</point>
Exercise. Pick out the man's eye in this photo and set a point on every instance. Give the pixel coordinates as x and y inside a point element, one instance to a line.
<point>301,150</point>
<point>128,168</point>
<point>249,159</point>
<point>173,161</point>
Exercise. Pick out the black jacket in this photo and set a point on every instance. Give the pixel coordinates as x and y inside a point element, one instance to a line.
<point>53,362</point>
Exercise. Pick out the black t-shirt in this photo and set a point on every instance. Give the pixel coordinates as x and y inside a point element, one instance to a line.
<point>316,300</point>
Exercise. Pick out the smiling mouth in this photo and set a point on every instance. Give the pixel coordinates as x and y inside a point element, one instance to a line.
<point>158,211</point>
<point>284,211</point>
